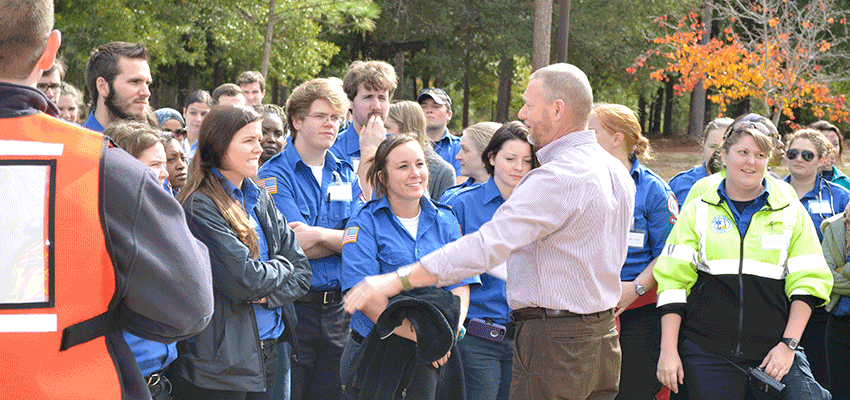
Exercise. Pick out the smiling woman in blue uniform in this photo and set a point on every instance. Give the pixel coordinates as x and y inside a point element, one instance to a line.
<point>397,228</point>
<point>808,150</point>
<point>713,135</point>
<point>487,348</point>
<point>618,131</point>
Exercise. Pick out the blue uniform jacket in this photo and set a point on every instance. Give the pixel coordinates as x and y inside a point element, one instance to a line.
<point>656,210</point>
<point>683,181</point>
<point>473,207</point>
<point>375,242</point>
<point>447,147</point>
<point>823,201</point>
<point>347,146</point>
<point>297,195</point>
<point>451,192</point>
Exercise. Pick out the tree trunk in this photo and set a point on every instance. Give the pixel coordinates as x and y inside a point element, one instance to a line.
<point>399,72</point>
<point>655,124</point>
<point>466,93</point>
<point>275,91</point>
<point>696,117</point>
<point>542,36</point>
<point>267,44</point>
<point>642,113</point>
<point>563,30</point>
<point>506,75</point>
<point>669,98</point>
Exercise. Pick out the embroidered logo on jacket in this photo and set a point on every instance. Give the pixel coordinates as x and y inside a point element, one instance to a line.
<point>721,224</point>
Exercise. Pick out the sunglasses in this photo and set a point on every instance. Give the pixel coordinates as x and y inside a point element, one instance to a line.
<point>806,154</point>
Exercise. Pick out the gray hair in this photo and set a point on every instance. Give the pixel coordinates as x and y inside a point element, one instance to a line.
<point>569,84</point>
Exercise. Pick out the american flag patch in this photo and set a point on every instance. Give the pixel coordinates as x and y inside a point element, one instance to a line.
<point>270,184</point>
<point>350,235</point>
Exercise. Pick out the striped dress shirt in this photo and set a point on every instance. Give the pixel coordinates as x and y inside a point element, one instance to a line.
<point>563,231</point>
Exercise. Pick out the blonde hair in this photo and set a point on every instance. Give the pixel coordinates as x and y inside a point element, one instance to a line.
<point>619,118</point>
<point>410,119</point>
<point>133,136</point>
<point>481,133</point>
<point>815,136</point>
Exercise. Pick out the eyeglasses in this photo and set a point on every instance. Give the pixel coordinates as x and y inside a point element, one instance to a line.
<point>806,154</point>
<point>336,119</point>
<point>45,87</point>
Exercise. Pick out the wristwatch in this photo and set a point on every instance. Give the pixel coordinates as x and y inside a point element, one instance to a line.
<point>403,274</point>
<point>791,343</point>
<point>639,289</point>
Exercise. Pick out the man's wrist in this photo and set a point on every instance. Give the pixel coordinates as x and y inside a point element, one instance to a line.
<point>403,274</point>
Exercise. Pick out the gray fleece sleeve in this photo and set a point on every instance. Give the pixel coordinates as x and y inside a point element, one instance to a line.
<point>163,276</point>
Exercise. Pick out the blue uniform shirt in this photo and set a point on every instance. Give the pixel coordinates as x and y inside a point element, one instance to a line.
<point>823,201</point>
<point>656,210</point>
<point>93,124</point>
<point>743,218</point>
<point>837,177</point>
<point>453,191</point>
<point>299,197</point>
<point>375,242</point>
<point>347,147</point>
<point>473,207</point>
<point>447,147</point>
<point>683,181</point>
<point>269,322</point>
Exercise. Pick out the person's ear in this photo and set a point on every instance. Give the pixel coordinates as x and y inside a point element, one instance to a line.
<point>618,139</point>
<point>48,56</point>
<point>102,87</point>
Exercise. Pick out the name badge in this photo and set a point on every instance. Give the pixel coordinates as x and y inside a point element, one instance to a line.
<point>339,191</point>
<point>820,207</point>
<point>636,239</point>
<point>772,242</point>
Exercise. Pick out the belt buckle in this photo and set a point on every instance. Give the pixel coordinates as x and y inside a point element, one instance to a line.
<point>325,297</point>
<point>154,379</point>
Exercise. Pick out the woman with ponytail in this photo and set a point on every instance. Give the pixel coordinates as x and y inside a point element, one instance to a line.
<point>656,209</point>
<point>257,266</point>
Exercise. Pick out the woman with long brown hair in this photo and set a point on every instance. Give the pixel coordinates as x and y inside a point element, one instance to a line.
<point>257,266</point>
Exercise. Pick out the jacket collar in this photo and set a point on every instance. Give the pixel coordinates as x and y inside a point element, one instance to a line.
<point>18,100</point>
<point>776,199</point>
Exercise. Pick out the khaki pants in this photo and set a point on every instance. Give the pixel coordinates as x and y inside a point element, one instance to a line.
<point>574,357</point>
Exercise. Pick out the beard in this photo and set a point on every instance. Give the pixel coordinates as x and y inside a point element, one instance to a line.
<point>119,111</point>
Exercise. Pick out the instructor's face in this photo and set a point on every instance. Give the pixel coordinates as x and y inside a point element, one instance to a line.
<point>537,114</point>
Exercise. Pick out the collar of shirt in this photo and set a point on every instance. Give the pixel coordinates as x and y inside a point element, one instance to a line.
<point>293,158</point>
<point>93,124</point>
<point>816,190</point>
<point>427,213</point>
<point>553,150</point>
<point>637,170</point>
<point>446,136</point>
<point>491,191</point>
<point>248,195</point>
<point>349,141</point>
<point>743,218</point>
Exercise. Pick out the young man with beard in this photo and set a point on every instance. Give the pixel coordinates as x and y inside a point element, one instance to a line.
<point>369,86</point>
<point>117,76</point>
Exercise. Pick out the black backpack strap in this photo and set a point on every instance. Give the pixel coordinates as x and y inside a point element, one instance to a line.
<point>88,330</point>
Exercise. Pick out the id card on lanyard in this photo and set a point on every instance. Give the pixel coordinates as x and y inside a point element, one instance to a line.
<point>339,190</point>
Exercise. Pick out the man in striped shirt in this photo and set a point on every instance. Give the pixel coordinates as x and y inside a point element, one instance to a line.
<point>564,236</point>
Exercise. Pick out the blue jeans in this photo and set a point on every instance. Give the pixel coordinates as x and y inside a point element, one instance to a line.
<point>708,376</point>
<point>485,363</point>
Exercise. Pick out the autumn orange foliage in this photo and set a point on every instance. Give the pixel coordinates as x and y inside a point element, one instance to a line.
<point>776,70</point>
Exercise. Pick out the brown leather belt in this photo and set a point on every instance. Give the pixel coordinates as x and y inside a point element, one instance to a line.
<point>540,313</point>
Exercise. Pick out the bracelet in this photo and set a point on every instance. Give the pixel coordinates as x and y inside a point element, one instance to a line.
<point>462,332</point>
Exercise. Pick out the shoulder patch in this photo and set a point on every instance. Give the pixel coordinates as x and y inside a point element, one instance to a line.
<point>270,184</point>
<point>673,207</point>
<point>350,235</point>
<point>721,224</point>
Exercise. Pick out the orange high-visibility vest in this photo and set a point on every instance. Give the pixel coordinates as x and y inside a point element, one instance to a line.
<point>51,331</point>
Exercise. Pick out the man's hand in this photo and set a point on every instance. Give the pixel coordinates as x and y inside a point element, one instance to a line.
<point>373,133</point>
<point>307,236</point>
<point>778,361</point>
<point>628,295</point>
<point>377,288</point>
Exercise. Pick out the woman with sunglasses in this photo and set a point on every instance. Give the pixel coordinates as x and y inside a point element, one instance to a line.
<point>738,279</point>
<point>808,150</point>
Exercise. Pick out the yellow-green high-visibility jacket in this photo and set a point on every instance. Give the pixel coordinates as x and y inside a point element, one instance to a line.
<point>734,294</point>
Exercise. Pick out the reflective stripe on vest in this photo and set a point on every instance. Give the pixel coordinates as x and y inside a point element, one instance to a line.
<point>61,164</point>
